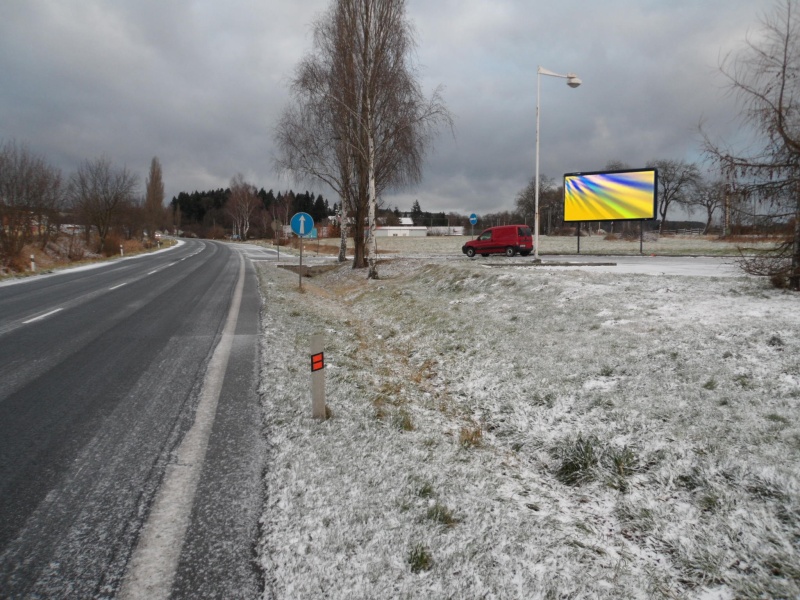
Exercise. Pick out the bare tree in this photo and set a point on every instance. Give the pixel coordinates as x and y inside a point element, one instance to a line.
<point>263,219</point>
<point>677,180</point>
<point>241,205</point>
<point>131,220</point>
<point>551,202</point>
<point>30,199</point>
<point>154,198</point>
<point>765,77</point>
<point>101,193</point>
<point>359,121</point>
<point>709,197</point>
<point>617,165</point>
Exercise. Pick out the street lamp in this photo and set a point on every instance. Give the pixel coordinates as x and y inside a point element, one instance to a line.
<point>572,81</point>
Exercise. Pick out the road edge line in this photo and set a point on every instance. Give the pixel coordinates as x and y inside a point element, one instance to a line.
<point>154,562</point>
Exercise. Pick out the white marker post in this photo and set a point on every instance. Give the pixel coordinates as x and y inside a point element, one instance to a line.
<point>33,263</point>
<point>318,409</point>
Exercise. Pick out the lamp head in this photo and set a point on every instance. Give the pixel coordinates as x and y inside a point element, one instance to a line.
<point>573,80</point>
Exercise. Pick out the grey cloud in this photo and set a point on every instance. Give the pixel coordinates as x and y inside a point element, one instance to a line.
<point>201,84</point>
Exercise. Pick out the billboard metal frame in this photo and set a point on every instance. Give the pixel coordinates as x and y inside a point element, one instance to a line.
<point>610,191</point>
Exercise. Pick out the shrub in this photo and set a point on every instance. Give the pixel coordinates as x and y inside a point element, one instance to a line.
<point>425,490</point>
<point>564,231</point>
<point>402,421</point>
<point>17,264</point>
<point>780,281</point>
<point>578,461</point>
<point>622,462</point>
<point>775,341</point>
<point>419,558</point>
<point>111,245</point>
<point>441,514</point>
<point>470,437</point>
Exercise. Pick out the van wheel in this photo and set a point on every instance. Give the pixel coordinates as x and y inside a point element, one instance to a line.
<point>510,251</point>
<point>470,252</point>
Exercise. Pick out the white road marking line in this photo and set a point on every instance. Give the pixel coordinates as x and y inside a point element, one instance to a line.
<point>40,317</point>
<point>152,567</point>
<point>117,286</point>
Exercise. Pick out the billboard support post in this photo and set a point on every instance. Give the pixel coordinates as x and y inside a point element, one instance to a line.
<point>641,237</point>
<point>579,236</point>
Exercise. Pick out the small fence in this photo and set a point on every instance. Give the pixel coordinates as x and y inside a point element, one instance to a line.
<point>682,232</point>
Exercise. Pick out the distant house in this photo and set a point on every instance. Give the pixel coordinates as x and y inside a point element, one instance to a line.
<point>401,231</point>
<point>446,230</point>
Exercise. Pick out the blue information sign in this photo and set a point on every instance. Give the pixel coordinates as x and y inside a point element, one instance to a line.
<point>473,219</point>
<point>302,224</point>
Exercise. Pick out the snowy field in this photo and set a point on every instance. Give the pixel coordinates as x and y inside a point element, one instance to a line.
<point>501,432</point>
<point>548,245</point>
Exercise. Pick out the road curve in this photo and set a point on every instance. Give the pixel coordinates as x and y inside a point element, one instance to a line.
<point>102,370</point>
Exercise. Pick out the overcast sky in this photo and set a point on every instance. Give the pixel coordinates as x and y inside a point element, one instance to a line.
<point>201,85</point>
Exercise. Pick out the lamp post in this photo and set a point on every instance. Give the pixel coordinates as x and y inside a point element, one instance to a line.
<point>572,81</point>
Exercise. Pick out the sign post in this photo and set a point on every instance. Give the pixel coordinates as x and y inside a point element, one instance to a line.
<point>302,226</point>
<point>277,226</point>
<point>318,409</point>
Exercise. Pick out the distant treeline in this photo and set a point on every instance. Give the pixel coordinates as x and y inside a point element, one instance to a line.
<point>207,208</point>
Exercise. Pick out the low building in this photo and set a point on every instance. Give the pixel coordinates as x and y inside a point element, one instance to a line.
<point>401,231</point>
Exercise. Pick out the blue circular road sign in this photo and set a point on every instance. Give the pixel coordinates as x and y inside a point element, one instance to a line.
<point>473,219</point>
<point>302,224</point>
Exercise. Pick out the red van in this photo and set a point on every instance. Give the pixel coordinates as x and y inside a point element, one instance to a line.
<point>504,239</point>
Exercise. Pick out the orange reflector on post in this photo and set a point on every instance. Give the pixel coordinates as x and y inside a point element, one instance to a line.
<point>317,361</point>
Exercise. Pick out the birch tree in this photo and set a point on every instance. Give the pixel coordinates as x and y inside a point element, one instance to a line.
<point>764,75</point>
<point>359,121</point>
<point>241,205</point>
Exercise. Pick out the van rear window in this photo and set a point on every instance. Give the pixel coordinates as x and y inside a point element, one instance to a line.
<point>525,231</point>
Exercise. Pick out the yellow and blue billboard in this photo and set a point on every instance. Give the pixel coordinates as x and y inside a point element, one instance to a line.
<point>611,195</point>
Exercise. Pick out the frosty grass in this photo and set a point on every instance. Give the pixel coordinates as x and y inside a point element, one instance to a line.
<point>530,433</point>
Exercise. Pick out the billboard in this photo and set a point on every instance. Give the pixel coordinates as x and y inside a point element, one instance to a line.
<point>611,195</point>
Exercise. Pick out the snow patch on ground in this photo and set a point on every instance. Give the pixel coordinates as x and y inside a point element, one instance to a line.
<point>531,433</point>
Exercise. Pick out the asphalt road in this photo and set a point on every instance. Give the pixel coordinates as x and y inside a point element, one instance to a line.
<point>101,372</point>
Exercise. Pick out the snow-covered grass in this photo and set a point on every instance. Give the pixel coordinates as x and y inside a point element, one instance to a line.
<point>595,244</point>
<point>500,432</point>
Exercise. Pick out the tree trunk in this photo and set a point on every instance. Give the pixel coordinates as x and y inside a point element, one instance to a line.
<point>794,276</point>
<point>372,244</point>
<point>359,255</point>
<point>342,232</point>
